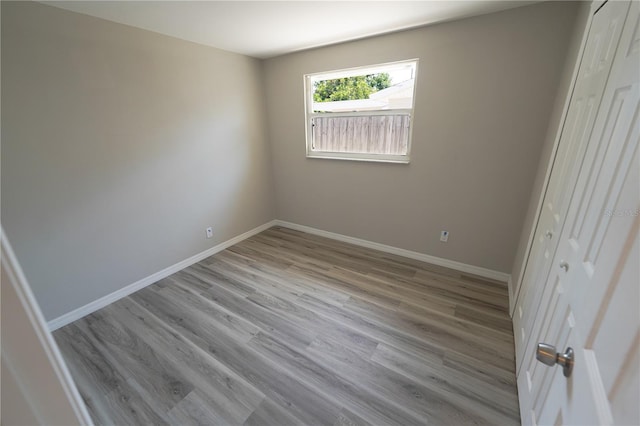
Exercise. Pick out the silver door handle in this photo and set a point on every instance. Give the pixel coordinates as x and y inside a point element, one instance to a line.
<point>548,234</point>
<point>547,355</point>
<point>564,265</point>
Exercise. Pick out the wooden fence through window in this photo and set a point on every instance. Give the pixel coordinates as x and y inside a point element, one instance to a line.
<point>370,134</point>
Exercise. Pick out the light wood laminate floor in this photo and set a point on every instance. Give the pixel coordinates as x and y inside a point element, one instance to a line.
<point>287,328</point>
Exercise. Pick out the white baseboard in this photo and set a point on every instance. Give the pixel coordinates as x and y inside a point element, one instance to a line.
<point>459,266</point>
<point>91,307</point>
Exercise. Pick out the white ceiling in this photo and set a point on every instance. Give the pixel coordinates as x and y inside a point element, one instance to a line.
<point>265,29</point>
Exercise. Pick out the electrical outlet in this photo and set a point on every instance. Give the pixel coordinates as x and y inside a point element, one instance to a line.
<point>444,236</point>
<point>209,232</point>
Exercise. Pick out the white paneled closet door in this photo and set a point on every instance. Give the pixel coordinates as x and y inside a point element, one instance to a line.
<point>595,66</point>
<point>592,291</point>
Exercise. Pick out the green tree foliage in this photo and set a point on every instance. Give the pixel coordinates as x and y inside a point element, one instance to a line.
<point>350,88</point>
<point>378,81</point>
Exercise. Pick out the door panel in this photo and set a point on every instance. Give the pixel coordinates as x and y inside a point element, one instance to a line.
<point>597,59</point>
<point>593,303</point>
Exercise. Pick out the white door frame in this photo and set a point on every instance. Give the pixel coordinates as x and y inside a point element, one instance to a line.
<point>38,385</point>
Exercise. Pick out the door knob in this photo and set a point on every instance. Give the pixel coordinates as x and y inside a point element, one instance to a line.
<point>548,234</point>
<point>564,265</point>
<point>547,355</point>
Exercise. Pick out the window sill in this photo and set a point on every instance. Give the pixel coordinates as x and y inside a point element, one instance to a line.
<point>371,158</point>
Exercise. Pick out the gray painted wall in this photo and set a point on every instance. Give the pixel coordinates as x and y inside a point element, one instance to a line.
<point>119,146</point>
<point>485,91</point>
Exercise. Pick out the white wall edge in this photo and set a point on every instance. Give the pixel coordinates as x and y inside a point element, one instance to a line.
<point>91,307</point>
<point>34,390</point>
<point>459,266</point>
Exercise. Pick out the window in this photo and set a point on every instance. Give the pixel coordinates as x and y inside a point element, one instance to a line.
<point>361,113</point>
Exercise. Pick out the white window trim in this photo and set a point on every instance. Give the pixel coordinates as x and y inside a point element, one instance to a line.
<point>309,115</point>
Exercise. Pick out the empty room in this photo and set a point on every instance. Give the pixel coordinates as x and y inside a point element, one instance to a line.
<point>283,213</point>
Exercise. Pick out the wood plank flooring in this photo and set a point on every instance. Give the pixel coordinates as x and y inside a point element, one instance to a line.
<point>287,328</point>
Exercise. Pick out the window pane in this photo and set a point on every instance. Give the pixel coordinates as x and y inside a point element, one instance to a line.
<point>361,113</point>
<point>369,134</point>
<point>370,92</point>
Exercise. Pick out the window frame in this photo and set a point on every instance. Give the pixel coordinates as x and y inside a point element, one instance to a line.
<point>350,72</point>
